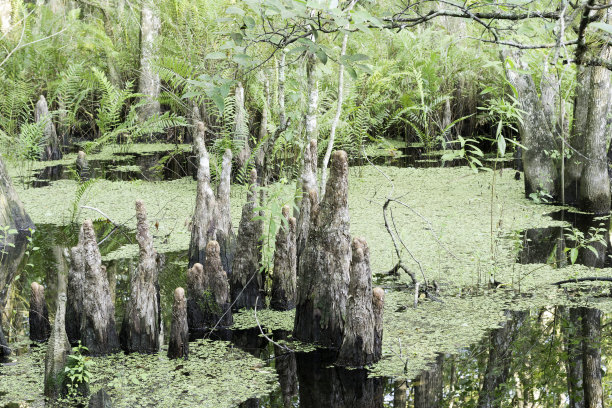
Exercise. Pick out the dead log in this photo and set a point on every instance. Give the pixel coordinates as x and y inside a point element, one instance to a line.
<point>224,234</point>
<point>309,183</point>
<point>97,322</point>
<point>378,302</point>
<point>284,278</point>
<point>58,347</point>
<point>203,223</point>
<point>358,344</point>
<point>246,280</point>
<point>40,328</point>
<point>51,149</point>
<point>141,325</point>
<point>179,331</point>
<point>323,267</point>
<point>82,165</point>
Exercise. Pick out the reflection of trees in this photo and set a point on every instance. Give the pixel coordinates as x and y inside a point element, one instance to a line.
<point>428,385</point>
<point>583,345</point>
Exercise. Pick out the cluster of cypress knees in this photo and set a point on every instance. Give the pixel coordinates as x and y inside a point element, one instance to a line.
<point>318,270</point>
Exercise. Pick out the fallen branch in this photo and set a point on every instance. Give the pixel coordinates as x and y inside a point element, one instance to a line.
<point>588,279</point>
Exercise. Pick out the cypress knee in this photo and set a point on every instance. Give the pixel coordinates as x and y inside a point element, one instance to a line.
<point>203,221</point>
<point>378,302</point>
<point>141,324</point>
<point>246,280</point>
<point>97,323</point>
<point>39,314</point>
<point>323,267</point>
<point>358,344</point>
<point>225,235</point>
<point>196,288</point>
<point>179,332</point>
<point>51,149</point>
<point>82,165</point>
<point>309,182</point>
<point>285,265</point>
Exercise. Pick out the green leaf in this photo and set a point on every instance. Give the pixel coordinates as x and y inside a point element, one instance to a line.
<point>215,55</point>
<point>573,255</point>
<point>237,37</point>
<point>321,55</point>
<point>501,145</point>
<point>602,26</point>
<point>235,11</point>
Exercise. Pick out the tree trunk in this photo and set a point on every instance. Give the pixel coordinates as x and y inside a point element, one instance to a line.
<point>247,281</point>
<point>58,346</point>
<point>500,355</point>
<point>286,368</point>
<point>323,268</point>
<point>429,386</point>
<point>203,224</point>
<point>141,324</point>
<point>358,343</point>
<point>378,303</point>
<point>149,83</point>
<point>179,331</point>
<point>224,233</point>
<point>284,279</point>
<point>12,213</point>
<point>97,328</point>
<point>573,344</point>
<point>40,327</point>
<point>309,184</point>
<point>241,129</point>
<point>541,174</point>
<point>313,97</point>
<point>52,147</point>
<point>594,184</point>
<point>282,117</point>
<point>76,280</point>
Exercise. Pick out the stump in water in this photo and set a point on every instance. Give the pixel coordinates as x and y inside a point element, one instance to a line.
<point>246,280</point>
<point>58,346</point>
<point>208,289</point>
<point>40,327</point>
<point>203,224</point>
<point>141,325</point>
<point>378,302</point>
<point>358,344</point>
<point>97,313</point>
<point>285,265</point>
<point>51,149</point>
<point>323,268</point>
<point>82,165</point>
<point>179,332</point>
<point>224,234</point>
<point>309,183</point>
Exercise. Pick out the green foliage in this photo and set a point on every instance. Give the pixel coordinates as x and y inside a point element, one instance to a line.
<point>78,370</point>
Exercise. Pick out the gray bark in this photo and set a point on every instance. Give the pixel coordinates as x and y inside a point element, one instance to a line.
<point>358,343</point>
<point>141,324</point>
<point>541,174</point>
<point>309,183</point>
<point>52,147</point>
<point>97,323</point>
<point>12,212</point>
<point>594,185</point>
<point>247,281</point>
<point>241,128</point>
<point>313,97</point>
<point>76,278</point>
<point>591,330</point>
<point>149,83</point>
<point>284,278</point>
<point>224,233</point>
<point>203,223</point>
<point>179,331</point>
<point>40,328</point>
<point>58,347</point>
<point>574,367</point>
<point>323,269</point>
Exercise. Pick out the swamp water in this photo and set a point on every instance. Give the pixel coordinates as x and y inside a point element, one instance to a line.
<point>436,355</point>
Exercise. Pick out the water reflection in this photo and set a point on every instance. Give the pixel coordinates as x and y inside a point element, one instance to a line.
<point>586,241</point>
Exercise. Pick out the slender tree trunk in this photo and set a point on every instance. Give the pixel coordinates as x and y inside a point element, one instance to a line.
<point>58,347</point>
<point>241,128</point>
<point>334,125</point>
<point>591,330</point>
<point>541,174</point>
<point>307,195</point>
<point>313,97</point>
<point>282,117</point>
<point>224,233</point>
<point>149,83</point>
